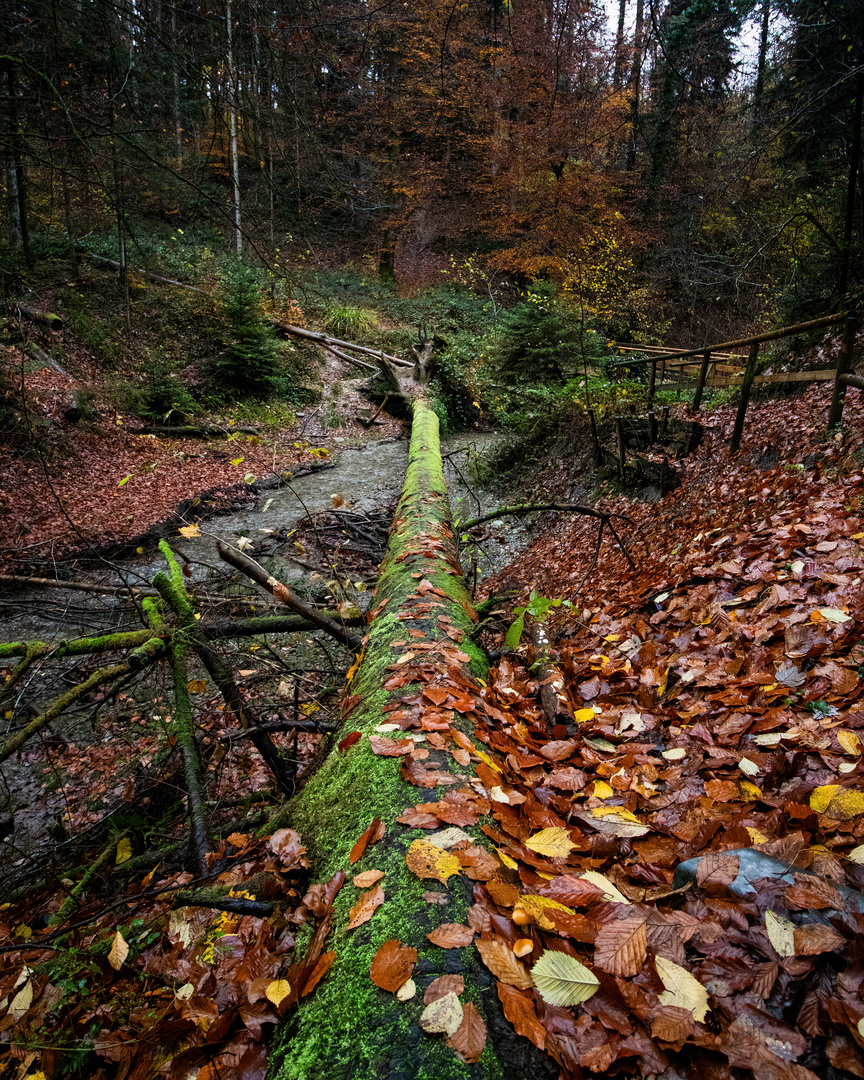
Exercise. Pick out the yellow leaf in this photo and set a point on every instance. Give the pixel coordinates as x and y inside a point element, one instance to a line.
<point>562,980</point>
<point>197,686</point>
<point>511,863</point>
<point>615,821</point>
<point>487,760</point>
<point>537,906</point>
<point>749,789</point>
<point>683,991</point>
<point>353,669</point>
<point>277,991</point>
<point>124,851</point>
<point>189,531</point>
<point>602,790</point>
<point>820,797</point>
<point>238,460</point>
<point>781,933</point>
<point>425,860</point>
<point>581,716</point>
<point>850,742</point>
<point>610,892</point>
<point>856,855</point>
<point>555,843</point>
<point>119,951</point>
<point>836,802</point>
<point>755,836</point>
<point>22,1000</point>
<point>23,931</point>
<point>444,1015</point>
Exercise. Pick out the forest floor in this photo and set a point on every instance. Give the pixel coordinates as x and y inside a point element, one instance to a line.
<point>75,487</point>
<point>716,697</point>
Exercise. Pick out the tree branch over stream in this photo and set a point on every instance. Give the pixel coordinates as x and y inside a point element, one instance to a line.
<point>603,516</point>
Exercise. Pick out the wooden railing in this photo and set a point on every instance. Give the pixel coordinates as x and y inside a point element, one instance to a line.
<point>720,354</point>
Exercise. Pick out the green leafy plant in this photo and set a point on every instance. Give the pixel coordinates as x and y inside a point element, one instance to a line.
<point>538,607</point>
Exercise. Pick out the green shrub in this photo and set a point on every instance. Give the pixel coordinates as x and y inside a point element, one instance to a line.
<point>251,362</point>
<point>538,343</point>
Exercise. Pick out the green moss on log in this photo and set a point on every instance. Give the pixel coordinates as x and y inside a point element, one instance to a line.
<point>349,1027</point>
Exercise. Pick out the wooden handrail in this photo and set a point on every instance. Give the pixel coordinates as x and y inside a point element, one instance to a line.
<point>754,339</point>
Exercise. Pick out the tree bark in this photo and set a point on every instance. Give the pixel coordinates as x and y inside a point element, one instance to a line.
<point>349,1027</point>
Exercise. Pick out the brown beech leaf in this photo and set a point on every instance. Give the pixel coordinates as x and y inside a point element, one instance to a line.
<point>621,946</point>
<point>558,751</point>
<point>318,972</point>
<point>367,878</point>
<point>812,893</point>
<point>571,891</point>
<point>371,835</point>
<point>814,938</point>
<point>469,1038</point>
<point>672,1024</point>
<point>390,747</point>
<point>444,984</point>
<point>352,737</point>
<point>392,965</point>
<point>433,897</point>
<point>436,694</point>
<point>365,907</point>
<point>451,935</point>
<point>716,868</point>
<point>522,1014</point>
<point>499,958</point>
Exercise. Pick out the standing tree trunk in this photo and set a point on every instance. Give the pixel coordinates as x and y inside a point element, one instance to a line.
<point>349,1027</point>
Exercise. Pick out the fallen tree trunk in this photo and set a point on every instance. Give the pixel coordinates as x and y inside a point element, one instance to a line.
<point>417,654</point>
<point>324,339</point>
<point>45,318</point>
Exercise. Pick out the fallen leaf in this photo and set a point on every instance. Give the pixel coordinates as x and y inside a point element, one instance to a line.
<point>837,802</point>
<point>124,851</point>
<point>425,860</point>
<point>365,907</point>
<point>522,1014</point>
<point>370,835</point>
<point>554,843</point>
<point>277,991</point>
<point>350,739</point>
<point>442,1015</point>
<point>610,893</point>
<point>562,980</point>
<point>367,878</point>
<point>781,933</point>
<point>499,958</point>
<point>407,990</point>
<point>444,984</point>
<point>682,991</point>
<point>717,868</point>
<point>469,1038</point>
<point>621,946</point>
<point>318,972</point>
<point>392,965</point>
<point>118,952</point>
<point>451,935</point>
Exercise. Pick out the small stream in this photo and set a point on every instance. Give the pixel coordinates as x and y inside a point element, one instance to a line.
<point>367,477</point>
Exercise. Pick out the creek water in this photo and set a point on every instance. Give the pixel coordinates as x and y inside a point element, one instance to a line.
<point>367,477</point>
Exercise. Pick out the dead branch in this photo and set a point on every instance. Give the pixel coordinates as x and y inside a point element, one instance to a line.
<point>81,586</point>
<point>281,592</point>
<point>327,341</point>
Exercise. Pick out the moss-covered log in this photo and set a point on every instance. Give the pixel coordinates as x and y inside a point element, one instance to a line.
<point>418,640</point>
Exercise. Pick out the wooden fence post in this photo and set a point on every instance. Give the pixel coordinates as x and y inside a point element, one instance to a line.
<point>749,376</point>
<point>844,363</point>
<point>652,383</point>
<point>703,375</point>
<point>664,423</point>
